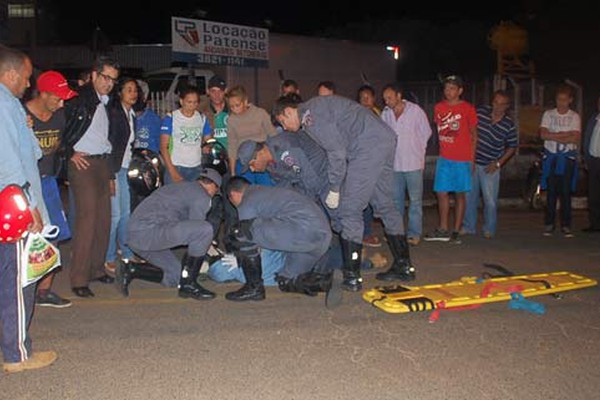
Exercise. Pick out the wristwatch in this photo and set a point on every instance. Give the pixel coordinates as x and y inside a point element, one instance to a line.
<point>498,164</point>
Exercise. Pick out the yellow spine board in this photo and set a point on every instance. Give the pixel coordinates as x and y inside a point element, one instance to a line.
<point>468,291</point>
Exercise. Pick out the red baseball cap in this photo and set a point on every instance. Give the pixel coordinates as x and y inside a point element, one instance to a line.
<point>55,83</point>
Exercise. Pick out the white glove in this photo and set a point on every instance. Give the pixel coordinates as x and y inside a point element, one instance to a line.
<point>230,260</point>
<point>333,200</point>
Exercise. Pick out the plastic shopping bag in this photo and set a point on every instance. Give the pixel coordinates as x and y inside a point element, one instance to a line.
<point>38,257</point>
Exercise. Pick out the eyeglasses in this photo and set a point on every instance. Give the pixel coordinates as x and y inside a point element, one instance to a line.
<point>108,78</point>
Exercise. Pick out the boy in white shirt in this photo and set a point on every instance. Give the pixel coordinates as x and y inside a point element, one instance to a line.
<point>561,132</point>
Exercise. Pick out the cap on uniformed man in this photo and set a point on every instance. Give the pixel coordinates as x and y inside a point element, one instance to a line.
<point>247,153</point>
<point>211,174</point>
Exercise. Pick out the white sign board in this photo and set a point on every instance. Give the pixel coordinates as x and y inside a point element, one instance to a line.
<point>207,42</point>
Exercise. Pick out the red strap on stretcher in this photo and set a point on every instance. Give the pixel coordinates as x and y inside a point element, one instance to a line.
<point>485,292</point>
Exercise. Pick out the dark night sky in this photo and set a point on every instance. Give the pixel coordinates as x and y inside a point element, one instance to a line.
<point>452,33</point>
<point>137,20</point>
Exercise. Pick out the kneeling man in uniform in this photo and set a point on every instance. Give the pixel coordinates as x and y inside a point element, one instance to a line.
<point>174,215</point>
<point>279,219</point>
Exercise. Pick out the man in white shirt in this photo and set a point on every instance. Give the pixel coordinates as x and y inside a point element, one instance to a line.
<point>412,128</point>
<point>561,131</point>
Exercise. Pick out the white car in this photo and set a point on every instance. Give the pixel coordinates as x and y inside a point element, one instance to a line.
<point>165,85</point>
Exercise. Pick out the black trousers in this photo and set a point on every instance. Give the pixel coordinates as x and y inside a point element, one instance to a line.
<point>593,165</point>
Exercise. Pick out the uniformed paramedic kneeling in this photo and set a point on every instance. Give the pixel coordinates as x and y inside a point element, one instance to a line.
<point>284,220</point>
<point>174,215</point>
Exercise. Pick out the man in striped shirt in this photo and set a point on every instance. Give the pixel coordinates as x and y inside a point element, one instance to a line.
<point>497,142</point>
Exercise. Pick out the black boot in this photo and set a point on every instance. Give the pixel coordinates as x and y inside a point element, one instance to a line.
<point>188,285</point>
<point>128,270</point>
<point>253,289</point>
<point>308,283</point>
<point>352,254</point>
<point>401,269</point>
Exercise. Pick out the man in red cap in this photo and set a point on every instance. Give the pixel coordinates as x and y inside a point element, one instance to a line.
<point>48,117</point>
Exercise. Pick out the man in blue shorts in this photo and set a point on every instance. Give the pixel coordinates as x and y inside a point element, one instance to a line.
<point>456,122</point>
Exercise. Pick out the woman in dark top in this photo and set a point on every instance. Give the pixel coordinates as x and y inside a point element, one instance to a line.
<point>121,135</point>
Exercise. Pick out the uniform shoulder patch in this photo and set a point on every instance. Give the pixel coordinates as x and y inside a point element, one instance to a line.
<point>288,159</point>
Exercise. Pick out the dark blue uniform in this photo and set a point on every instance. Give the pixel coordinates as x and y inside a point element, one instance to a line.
<point>299,164</point>
<point>172,216</point>
<point>289,222</point>
<point>360,150</point>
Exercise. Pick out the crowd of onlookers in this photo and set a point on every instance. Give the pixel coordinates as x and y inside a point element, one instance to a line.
<point>86,137</point>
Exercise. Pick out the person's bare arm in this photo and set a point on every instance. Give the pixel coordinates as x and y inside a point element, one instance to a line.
<point>37,224</point>
<point>232,146</point>
<point>493,167</point>
<point>474,138</point>
<point>164,151</point>
<point>565,137</point>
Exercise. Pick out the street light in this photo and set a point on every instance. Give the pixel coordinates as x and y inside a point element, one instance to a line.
<point>395,50</point>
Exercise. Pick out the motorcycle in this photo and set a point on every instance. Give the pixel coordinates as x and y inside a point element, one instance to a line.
<point>532,193</point>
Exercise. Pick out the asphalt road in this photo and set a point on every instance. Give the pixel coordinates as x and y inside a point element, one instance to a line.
<point>157,346</point>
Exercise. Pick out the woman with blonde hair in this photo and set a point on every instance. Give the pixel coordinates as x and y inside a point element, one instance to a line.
<point>246,122</point>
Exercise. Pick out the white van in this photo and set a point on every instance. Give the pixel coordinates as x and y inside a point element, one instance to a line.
<point>166,83</point>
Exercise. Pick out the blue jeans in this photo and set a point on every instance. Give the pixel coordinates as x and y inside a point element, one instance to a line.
<point>120,209</point>
<point>411,182</point>
<point>559,188</point>
<point>272,262</point>
<point>488,185</point>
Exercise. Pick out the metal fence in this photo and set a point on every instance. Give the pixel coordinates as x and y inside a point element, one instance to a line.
<point>162,103</point>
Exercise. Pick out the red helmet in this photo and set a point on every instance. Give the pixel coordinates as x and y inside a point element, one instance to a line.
<point>15,215</point>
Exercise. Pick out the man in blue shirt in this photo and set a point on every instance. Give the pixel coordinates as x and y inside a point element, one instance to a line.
<point>18,166</point>
<point>497,142</point>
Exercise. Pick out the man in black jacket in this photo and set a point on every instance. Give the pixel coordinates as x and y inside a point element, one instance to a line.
<point>87,148</point>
